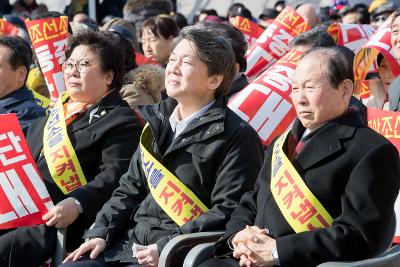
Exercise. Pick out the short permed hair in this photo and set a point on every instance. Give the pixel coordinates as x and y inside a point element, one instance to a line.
<point>106,46</point>
<point>213,50</point>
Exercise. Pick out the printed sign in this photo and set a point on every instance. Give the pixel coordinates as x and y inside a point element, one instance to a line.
<point>23,196</point>
<point>49,40</point>
<point>265,103</point>
<point>273,44</point>
<point>250,30</point>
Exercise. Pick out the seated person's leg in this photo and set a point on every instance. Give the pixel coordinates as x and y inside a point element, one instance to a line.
<point>85,261</point>
<point>27,246</point>
<point>220,263</point>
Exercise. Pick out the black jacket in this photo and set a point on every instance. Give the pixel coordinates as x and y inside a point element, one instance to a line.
<point>353,171</point>
<point>104,148</point>
<point>218,156</point>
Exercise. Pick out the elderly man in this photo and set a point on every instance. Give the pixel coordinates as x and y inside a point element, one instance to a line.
<point>324,193</point>
<point>15,59</point>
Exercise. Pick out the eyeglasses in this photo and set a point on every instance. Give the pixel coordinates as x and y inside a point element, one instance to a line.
<point>380,18</point>
<point>80,65</point>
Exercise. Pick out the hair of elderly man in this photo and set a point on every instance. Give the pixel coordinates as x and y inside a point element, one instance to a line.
<point>316,37</point>
<point>106,46</point>
<point>20,52</point>
<point>337,67</point>
<point>214,50</point>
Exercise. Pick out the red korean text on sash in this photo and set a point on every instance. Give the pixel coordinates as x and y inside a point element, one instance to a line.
<point>387,123</point>
<point>273,43</point>
<point>7,28</point>
<point>265,103</point>
<point>23,196</point>
<point>250,30</point>
<point>49,40</point>
<point>365,57</point>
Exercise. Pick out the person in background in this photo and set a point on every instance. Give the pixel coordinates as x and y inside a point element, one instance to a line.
<point>15,61</point>
<point>381,13</point>
<point>156,36</point>
<point>394,89</point>
<point>309,14</point>
<point>28,8</point>
<point>91,136</point>
<point>211,154</point>
<point>354,15</point>
<point>267,17</point>
<point>239,45</point>
<point>313,202</point>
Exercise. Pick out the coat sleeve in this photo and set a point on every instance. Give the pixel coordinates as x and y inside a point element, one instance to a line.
<point>119,209</point>
<point>238,169</point>
<point>367,207</point>
<point>118,147</point>
<point>244,214</point>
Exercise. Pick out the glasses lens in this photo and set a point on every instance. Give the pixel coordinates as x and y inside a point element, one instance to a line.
<point>67,67</point>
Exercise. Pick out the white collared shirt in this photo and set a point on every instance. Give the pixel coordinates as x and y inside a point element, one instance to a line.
<point>178,125</point>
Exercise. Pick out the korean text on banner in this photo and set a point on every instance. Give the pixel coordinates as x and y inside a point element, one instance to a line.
<point>23,196</point>
<point>378,43</point>
<point>265,103</point>
<point>7,28</point>
<point>49,40</point>
<point>387,123</point>
<point>250,30</point>
<point>274,42</point>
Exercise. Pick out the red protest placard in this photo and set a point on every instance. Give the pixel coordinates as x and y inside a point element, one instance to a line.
<point>365,57</point>
<point>250,30</point>
<point>273,43</point>
<point>23,196</point>
<point>7,28</point>
<point>387,123</point>
<point>265,103</point>
<point>49,40</point>
<point>142,60</point>
<point>353,36</point>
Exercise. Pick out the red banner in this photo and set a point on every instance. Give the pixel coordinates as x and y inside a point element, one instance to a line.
<point>7,28</point>
<point>387,123</point>
<point>23,196</point>
<point>49,40</point>
<point>142,60</point>
<point>265,103</point>
<point>273,43</point>
<point>378,43</point>
<point>353,36</point>
<point>250,30</point>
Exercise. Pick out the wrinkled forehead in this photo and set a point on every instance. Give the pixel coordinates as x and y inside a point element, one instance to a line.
<point>396,23</point>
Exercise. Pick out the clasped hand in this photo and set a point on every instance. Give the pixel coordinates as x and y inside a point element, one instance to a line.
<point>253,247</point>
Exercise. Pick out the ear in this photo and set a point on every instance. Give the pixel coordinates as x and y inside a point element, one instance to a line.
<point>215,81</point>
<point>109,77</point>
<point>348,88</point>
<point>21,72</point>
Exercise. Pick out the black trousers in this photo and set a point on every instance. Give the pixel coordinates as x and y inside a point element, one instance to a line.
<point>27,246</point>
<point>98,262</point>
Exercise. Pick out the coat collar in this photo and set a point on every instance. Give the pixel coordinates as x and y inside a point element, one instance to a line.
<point>95,112</point>
<point>19,95</point>
<point>206,126</point>
<point>326,141</point>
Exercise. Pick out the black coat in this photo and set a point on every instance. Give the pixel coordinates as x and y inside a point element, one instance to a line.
<point>218,157</point>
<point>104,148</point>
<point>355,174</point>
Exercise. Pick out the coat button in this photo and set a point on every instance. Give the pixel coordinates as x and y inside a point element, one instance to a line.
<point>103,113</point>
<point>208,133</point>
<point>183,140</point>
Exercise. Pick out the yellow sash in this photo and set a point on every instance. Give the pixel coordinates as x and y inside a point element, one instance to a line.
<point>60,156</point>
<point>301,209</point>
<point>178,201</point>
